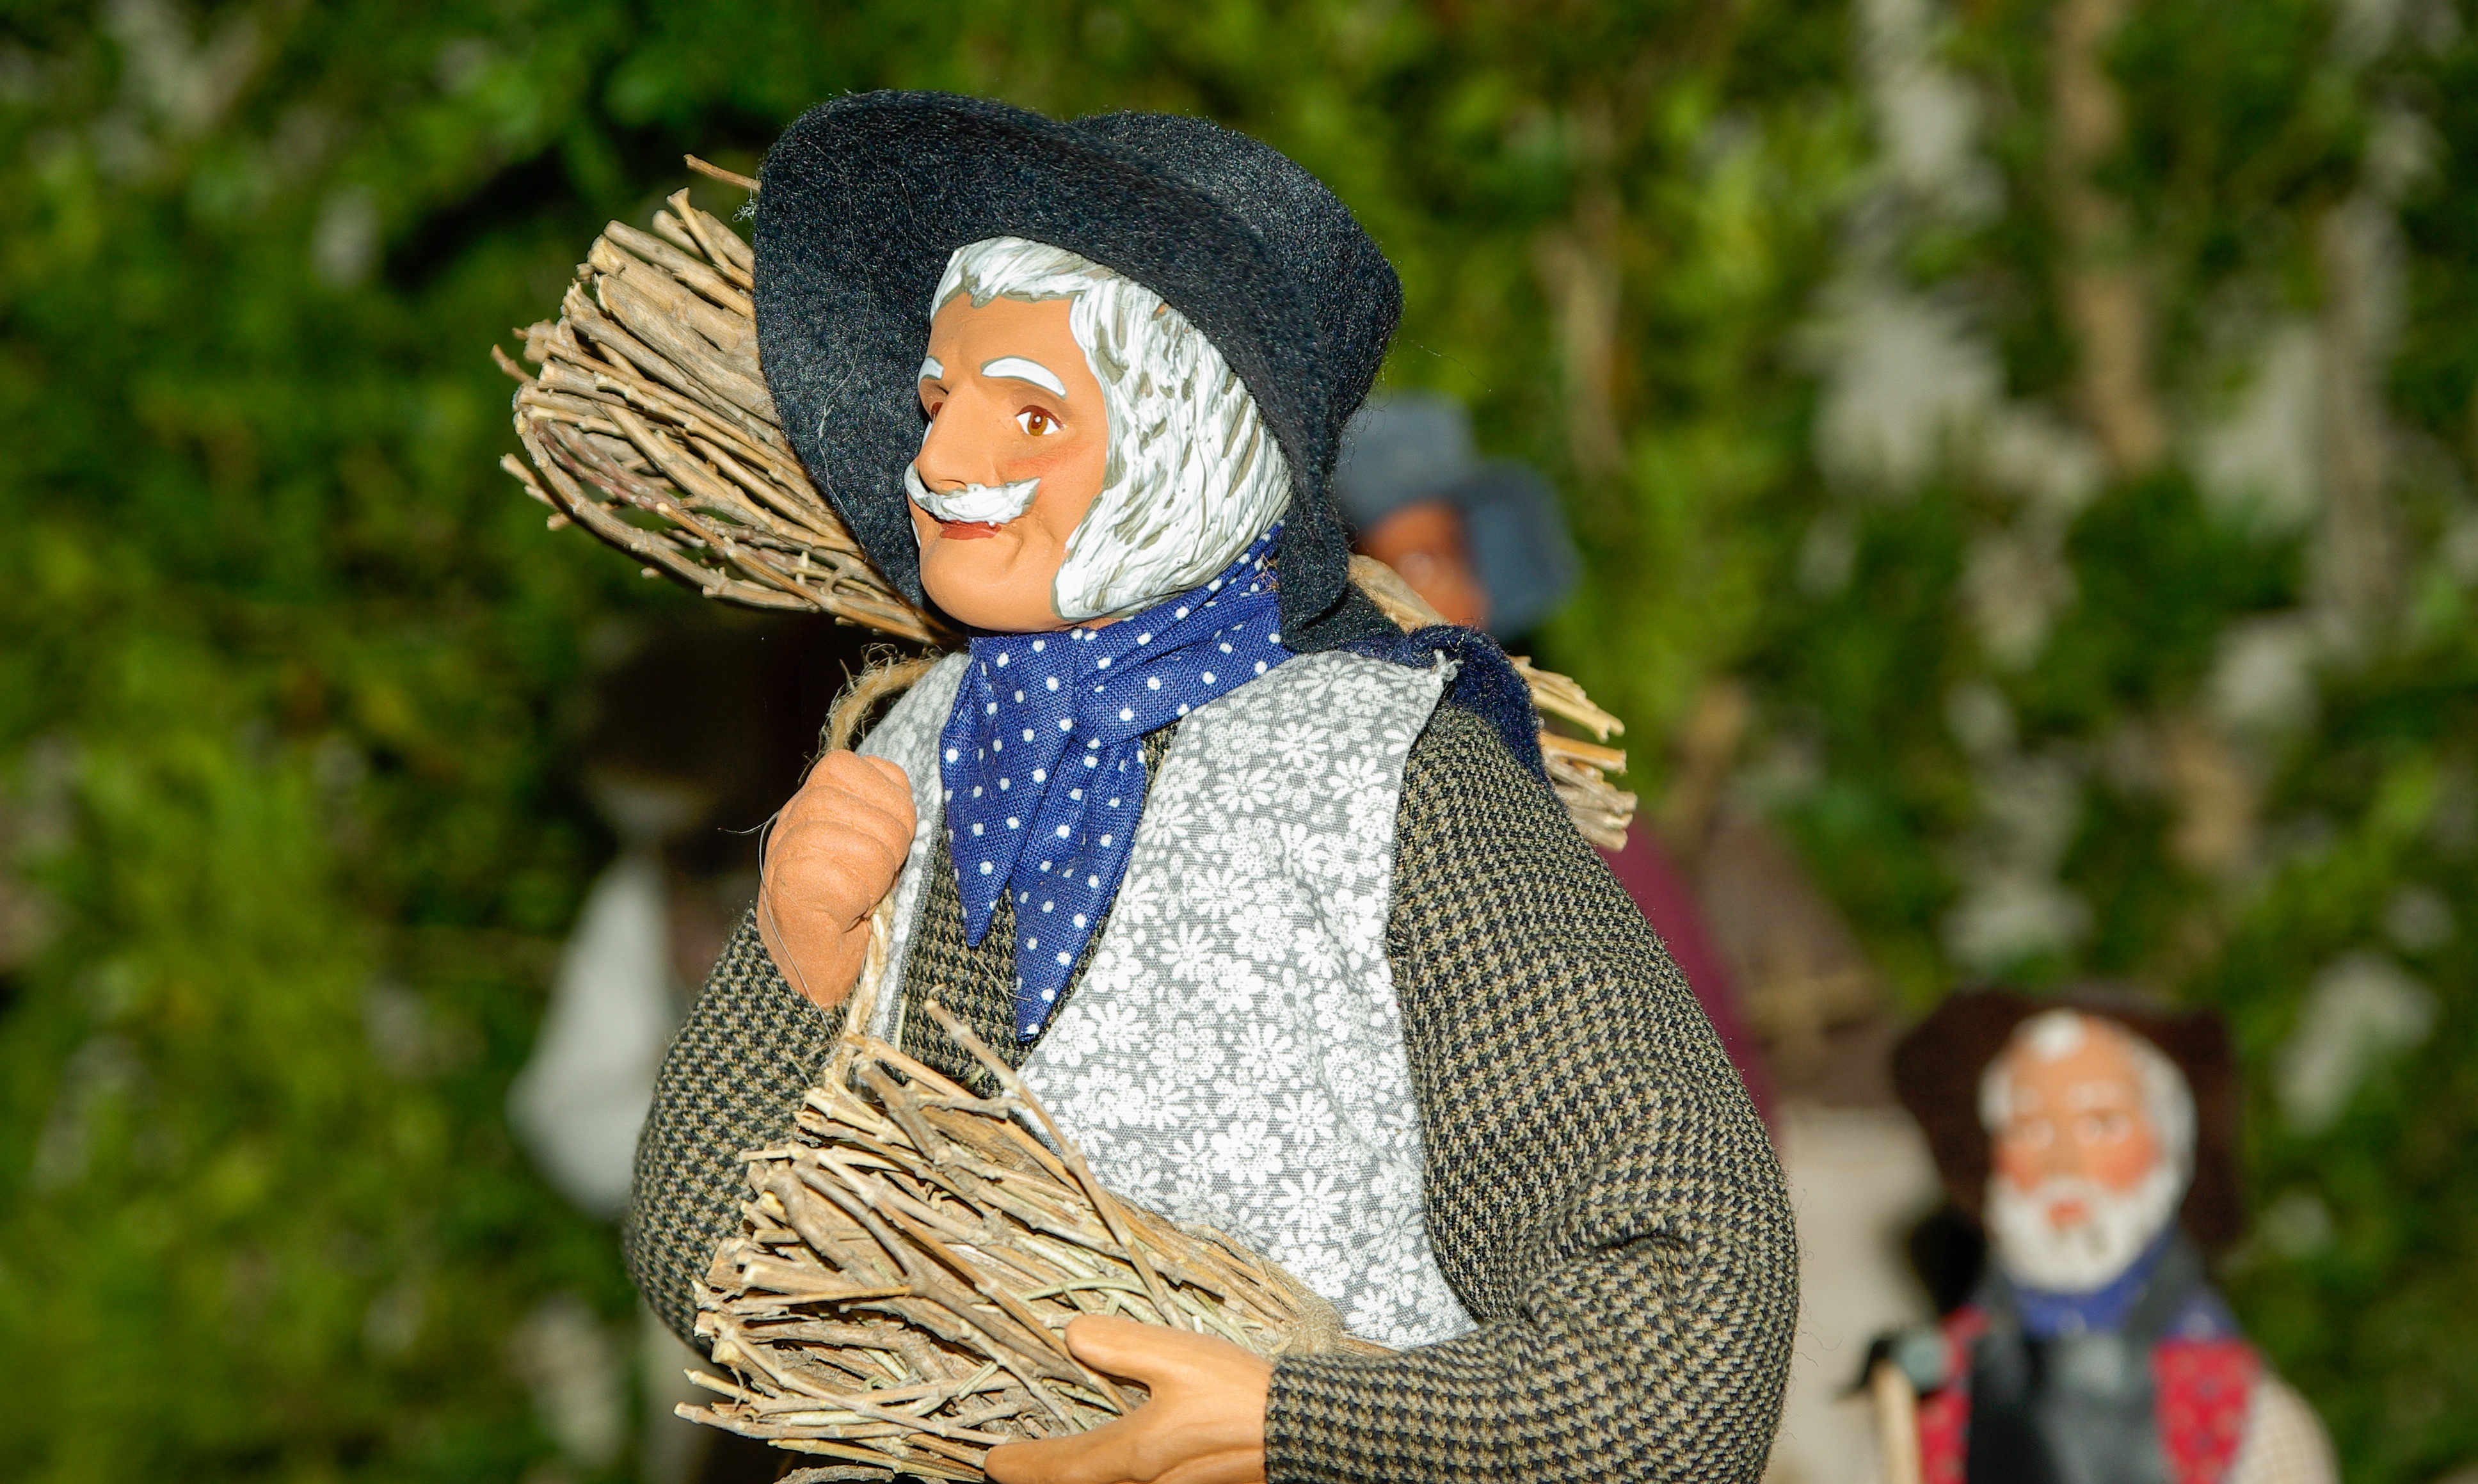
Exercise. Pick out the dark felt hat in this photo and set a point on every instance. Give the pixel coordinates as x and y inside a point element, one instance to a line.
<point>1937,1066</point>
<point>865,198</point>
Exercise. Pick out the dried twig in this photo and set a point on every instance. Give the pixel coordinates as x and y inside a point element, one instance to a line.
<point>718,172</point>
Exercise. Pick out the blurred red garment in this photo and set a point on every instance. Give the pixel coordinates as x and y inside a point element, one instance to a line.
<point>1667,901</point>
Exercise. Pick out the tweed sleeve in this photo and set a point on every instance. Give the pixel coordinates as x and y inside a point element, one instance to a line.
<point>1600,1191</point>
<point>732,1080</point>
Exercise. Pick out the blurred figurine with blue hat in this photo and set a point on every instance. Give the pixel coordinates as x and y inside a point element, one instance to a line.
<point>1484,542</point>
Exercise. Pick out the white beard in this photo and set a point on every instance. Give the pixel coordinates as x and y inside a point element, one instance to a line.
<point>2078,1259</point>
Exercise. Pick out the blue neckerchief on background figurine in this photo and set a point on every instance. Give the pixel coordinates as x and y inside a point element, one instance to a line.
<point>2048,1312</point>
<point>1043,758</point>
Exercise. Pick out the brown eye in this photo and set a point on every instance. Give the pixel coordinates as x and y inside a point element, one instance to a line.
<point>1037,422</point>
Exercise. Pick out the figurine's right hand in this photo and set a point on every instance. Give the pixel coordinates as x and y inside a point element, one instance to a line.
<point>834,850</point>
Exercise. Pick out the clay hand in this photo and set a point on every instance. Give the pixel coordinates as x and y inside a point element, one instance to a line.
<point>833,851</point>
<point>1205,1423</point>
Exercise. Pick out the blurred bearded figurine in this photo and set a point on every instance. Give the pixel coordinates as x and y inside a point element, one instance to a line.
<point>2094,1141</point>
<point>1484,543</point>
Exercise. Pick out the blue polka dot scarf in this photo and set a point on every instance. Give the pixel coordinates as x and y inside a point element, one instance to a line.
<point>1042,760</point>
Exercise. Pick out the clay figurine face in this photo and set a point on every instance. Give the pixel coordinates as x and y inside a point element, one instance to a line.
<point>2083,1178</point>
<point>2079,1116</point>
<point>1015,453</point>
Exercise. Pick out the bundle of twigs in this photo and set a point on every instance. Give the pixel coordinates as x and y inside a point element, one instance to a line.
<point>650,426</point>
<point>895,1298</point>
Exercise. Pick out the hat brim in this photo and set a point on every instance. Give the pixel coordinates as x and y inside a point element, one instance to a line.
<point>864,200</point>
<point>1937,1067</point>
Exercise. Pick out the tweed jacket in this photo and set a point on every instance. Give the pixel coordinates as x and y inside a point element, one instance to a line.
<point>1599,1191</point>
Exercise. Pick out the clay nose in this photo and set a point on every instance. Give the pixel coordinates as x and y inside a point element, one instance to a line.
<point>955,452</point>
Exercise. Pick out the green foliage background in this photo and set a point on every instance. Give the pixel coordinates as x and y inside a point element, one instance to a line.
<point>290,680</point>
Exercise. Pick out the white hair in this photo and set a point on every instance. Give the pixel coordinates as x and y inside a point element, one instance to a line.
<point>1192,474</point>
<point>2166,1100</point>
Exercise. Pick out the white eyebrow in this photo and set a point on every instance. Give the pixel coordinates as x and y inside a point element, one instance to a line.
<point>931,370</point>
<point>1017,369</point>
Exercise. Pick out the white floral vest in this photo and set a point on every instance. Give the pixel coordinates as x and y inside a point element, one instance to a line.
<point>1233,1054</point>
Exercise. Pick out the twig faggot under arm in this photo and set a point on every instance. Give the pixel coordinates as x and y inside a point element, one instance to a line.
<point>923,1247</point>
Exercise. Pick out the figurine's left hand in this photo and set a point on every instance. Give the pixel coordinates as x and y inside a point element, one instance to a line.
<point>1205,1423</point>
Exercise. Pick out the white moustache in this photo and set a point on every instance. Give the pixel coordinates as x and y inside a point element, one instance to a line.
<point>990,504</point>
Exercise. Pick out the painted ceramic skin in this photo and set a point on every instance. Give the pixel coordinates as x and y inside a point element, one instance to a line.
<point>1012,399</point>
<point>2079,1115</point>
